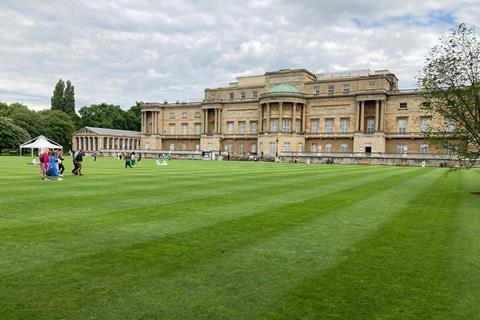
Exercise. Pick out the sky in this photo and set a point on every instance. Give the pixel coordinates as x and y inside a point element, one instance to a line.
<point>122,51</point>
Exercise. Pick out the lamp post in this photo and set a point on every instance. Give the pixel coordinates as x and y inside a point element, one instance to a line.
<point>276,147</point>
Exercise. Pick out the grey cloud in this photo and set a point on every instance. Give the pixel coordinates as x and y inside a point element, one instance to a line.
<point>124,51</point>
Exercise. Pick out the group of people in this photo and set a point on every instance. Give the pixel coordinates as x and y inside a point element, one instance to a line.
<point>131,159</point>
<point>51,165</point>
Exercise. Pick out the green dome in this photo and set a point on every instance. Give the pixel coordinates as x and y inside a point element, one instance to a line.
<point>284,88</point>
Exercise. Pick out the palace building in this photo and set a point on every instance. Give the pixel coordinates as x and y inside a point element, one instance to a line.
<point>294,111</point>
<point>285,112</point>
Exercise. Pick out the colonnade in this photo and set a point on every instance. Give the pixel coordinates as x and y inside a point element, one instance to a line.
<point>152,122</point>
<point>89,143</point>
<point>265,114</point>
<point>217,121</point>
<point>379,116</point>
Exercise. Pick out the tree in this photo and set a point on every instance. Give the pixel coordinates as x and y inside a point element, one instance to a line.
<point>27,119</point>
<point>133,117</point>
<point>103,116</point>
<point>11,135</point>
<point>69,101</point>
<point>58,126</point>
<point>450,81</point>
<point>58,96</point>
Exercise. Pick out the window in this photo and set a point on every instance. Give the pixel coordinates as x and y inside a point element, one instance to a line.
<point>172,115</point>
<point>425,124</point>
<point>313,147</point>
<point>171,128</point>
<point>230,127</point>
<point>274,125</point>
<point>424,148</point>
<point>449,126</point>
<point>298,125</point>
<point>316,90</point>
<point>403,105</point>
<point>300,147</point>
<point>230,95</point>
<point>184,115</point>
<point>260,147</point>
<point>370,125</point>
<point>254,93</point>
<point>209,147</point>
<point>242,95</point>
<point>346,88</point>
<point>253,148</point>
<point>184,147</point>
<point>287,125</point>
<point>329,148</point>
<point>198,114</point>
<point>229,148</point>
<point>331,88</point>
<point>253,127</point>
<point>344,125</point>
<point>344,148</point>
<point>197,128</point>
<point>329,125</point>
<point>448,150</point>
<point>240,148</point>
<point>401,148</point>
<point>197,147</point>
<point>314,126</point>
<point>272,148</point>
<point>241,127</point>
<point>402,125</point>
<point>286,147</point>
<point>184,128</point>
<point>372,84</point>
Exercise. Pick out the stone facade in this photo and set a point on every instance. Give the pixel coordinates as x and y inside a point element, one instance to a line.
<point>294,111</point>
<point>102,139</point>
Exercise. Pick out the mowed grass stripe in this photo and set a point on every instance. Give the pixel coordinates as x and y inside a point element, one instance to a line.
<point>91,235</point>
<point>310,247</point>
<point>112,272</point>
<point>399,272</point>
<point>465,250</point>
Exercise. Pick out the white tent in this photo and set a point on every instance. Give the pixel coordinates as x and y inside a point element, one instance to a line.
<point>40,142</point>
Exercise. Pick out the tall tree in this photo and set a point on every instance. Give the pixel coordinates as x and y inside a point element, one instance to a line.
<point>69,100</point>
<point>11,135</point>
<point>57,100</point>
<point>450,81</point>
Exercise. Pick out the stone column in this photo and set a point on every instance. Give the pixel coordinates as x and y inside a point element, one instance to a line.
<point>294,120</point>
<point>377,112</point>
<point>280,117</point>
<point>215,121</point>
<point>268,118</point>
<point>357,119</point>
<point>304,118</point>
<point>220,112</point>
<point>362,116</point>
<point>383,105</point>
<point>260,119</point>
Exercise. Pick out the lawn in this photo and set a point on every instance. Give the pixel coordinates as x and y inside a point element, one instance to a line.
<point>239,240</point>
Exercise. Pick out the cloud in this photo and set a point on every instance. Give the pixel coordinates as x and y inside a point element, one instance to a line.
<point>125,51</point>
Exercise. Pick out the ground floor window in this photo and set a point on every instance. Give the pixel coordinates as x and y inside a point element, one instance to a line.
<point>229,148</point>
<point>253,148</point>
<point>344,148</point>
<point>329,148</point>
<point>400,148</point>
<point>240,148</point>
<point>300,147</point>
<point>286,147</point>
<point>424,148</point>
<point>272,148</point>
<point>313,147</point>
<point>209,147</point>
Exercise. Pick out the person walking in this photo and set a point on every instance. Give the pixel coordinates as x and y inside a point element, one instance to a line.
<point>60,158</point>
<point>44,163</point>
<point>78,164</point>
<point>52,170</point>
<point>128,158</point>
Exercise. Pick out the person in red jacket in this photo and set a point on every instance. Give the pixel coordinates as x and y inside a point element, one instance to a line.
<point>44,163</point>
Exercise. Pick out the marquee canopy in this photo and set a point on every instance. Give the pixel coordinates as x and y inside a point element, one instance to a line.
<point>41,142</point>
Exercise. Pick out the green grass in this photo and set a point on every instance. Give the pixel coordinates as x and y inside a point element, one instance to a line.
<point>239,240</point>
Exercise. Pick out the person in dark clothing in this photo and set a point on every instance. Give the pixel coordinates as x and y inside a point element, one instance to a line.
<point>61,168</point>
<point>78,164</point>
<point>128,158</point>
<point>75,164</point>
